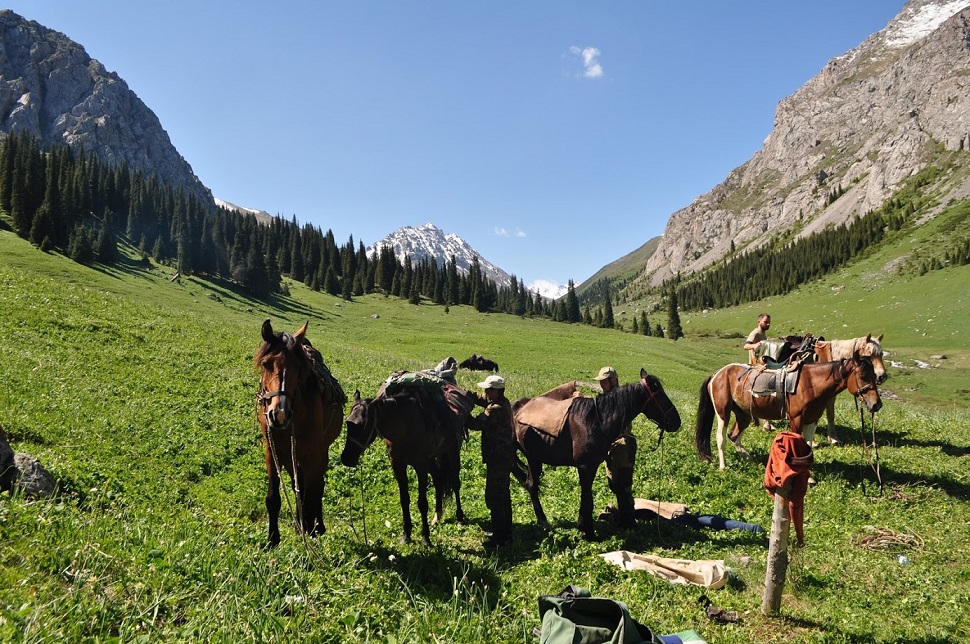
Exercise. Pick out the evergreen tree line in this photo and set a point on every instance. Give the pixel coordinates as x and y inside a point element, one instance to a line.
<point>767,271</point>
<point>66,200</point>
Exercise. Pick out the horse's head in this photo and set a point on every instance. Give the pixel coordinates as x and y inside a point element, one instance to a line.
<point>658,407</point>
<point>283,367</point>
<point>361,430</point>
<point>862,382</point>
<point>871,349</point>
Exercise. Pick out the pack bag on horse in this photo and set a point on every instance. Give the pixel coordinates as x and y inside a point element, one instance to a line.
<point>300,413</point>
<point>797,393</point>
<point>559,429</point>
<point>420,416</point>
<point>867,347</point>
<point>478,363</point>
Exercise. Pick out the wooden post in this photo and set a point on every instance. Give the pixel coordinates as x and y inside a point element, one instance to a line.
<point>777,553</point>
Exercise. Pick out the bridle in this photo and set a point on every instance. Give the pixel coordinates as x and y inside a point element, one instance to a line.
<point>370,426</point>
<point>265,397</point>
<point>652,399</point>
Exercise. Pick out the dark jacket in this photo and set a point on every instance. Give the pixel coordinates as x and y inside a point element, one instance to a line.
<point>498,433</point>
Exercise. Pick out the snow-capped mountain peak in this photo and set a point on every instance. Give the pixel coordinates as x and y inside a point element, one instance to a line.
<point>427,240</point>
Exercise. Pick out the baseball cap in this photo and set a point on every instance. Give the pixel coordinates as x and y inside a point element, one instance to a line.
<point>493,382</point>
<point>606,373</point>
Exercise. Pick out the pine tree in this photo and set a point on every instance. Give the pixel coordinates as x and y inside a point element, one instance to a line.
<point>674,330</point>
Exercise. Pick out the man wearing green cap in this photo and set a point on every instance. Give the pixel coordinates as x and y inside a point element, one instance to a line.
<point>620,459</point>
<point>498,454</point>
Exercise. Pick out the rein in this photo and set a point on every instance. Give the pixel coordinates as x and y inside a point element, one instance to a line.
<point>371,425</point>
<point>663,410</point>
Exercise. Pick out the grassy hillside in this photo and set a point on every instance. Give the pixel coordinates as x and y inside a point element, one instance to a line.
<point>625,268</point>
<point>138,394</point>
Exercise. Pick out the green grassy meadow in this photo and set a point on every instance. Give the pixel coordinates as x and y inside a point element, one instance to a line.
<point>138,395</point>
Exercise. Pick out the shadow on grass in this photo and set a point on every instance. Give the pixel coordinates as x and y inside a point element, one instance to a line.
<point>863,475</point>
<point>431,572</point>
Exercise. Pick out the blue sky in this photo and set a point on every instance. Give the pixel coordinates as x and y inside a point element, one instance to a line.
<point>554,136</point>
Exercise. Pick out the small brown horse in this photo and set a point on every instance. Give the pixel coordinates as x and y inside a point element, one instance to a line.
<point>826,351</point>
<point>592,424</point>
<point>414,438</point>
<point>729,390</point>
<point>300,411</point>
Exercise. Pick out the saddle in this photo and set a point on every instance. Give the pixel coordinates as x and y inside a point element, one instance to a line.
<point>330,390</point>
<point>547,412</point>
<point>772,382</point>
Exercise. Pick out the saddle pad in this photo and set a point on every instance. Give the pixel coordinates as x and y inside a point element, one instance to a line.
<point>545,414</point>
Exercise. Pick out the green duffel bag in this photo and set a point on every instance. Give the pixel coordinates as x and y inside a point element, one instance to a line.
<point>575,617</point>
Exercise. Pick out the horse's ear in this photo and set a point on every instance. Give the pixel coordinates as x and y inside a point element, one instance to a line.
<point>879,338</point>
<point>267,331</point>
<point>643,373</point>
<point>356,396</point>
<point>868,337</point>
<point>302,332</point>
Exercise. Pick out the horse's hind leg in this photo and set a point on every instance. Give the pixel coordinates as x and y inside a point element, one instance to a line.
<point>312,515</point>
<point>532,486</point>
<point>741,422</point>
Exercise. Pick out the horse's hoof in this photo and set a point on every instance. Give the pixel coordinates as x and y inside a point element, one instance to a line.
<point>460,518</point>
<point>834,441</point>
<point>406,539</point>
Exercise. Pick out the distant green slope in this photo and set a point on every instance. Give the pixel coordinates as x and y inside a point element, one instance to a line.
<point>627,267</point>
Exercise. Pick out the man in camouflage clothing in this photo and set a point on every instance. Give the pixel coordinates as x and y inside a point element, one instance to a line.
<point>620,459</point>
<point>498,454</point>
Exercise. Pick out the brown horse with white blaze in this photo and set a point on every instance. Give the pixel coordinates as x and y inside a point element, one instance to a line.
<point>300,412</point>
<point>729,391</point>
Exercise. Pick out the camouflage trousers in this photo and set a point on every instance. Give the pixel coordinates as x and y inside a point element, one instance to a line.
<point>620,460</point>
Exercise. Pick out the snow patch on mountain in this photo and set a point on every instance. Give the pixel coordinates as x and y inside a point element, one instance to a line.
<point>428,241</point>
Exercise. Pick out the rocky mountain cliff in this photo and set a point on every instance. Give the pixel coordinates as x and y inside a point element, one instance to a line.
<point>50,87</point>
<point>427,240</point>
<point>869,120</point>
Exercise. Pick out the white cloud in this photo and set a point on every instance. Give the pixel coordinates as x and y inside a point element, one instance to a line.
<point>519,232</point>
<point>591,66</point>
<point>501,232</point>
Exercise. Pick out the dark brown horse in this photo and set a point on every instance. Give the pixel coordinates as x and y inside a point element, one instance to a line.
<point>591,426</point>
<point>478,363</point>
<point>414,437</point>
<point>300,411</point>
<point>729,391</point>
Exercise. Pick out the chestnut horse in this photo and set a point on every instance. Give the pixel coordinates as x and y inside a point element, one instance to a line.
<point>415,438</point>
<point>300,412</point>
<point>867,347</point>
<point>729,390</point>
<point>591,426</point>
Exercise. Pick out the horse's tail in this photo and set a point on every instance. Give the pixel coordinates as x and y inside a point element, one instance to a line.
<point>445,475</point>
<point>520,471</point>
<point>705,419</point>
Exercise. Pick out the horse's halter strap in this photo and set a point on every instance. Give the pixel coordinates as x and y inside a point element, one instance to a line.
<point>264,397</point>
<point>862,390</point>
<point>371,425</point>
<point>652,398</point>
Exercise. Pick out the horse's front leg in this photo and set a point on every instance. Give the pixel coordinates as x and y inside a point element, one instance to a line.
<point>585,521</point>
<point>830,417</point>
<point>401,476</point>
<point>273,503</point>
<point>808,433</point>
<point>423,504</point>
<point>312,516</point>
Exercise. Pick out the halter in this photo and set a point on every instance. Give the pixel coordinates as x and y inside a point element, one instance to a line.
<point>652,398</point>
<point>371,424</point>
<point>264,397</point>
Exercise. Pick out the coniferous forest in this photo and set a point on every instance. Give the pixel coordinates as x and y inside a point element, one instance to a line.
<point>67,200</point>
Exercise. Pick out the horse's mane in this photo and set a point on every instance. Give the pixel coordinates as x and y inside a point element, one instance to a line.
<point>612,404</point>
<point>282,343</point>
<point>846,348</point>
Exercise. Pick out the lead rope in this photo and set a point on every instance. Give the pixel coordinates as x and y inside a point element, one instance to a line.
<point>874,464</point>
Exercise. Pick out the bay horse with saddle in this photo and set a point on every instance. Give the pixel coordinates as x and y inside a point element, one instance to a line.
<point>300,413</point>
<point>798,393</point>
<point>561,428</point>
<point>420,416</point>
